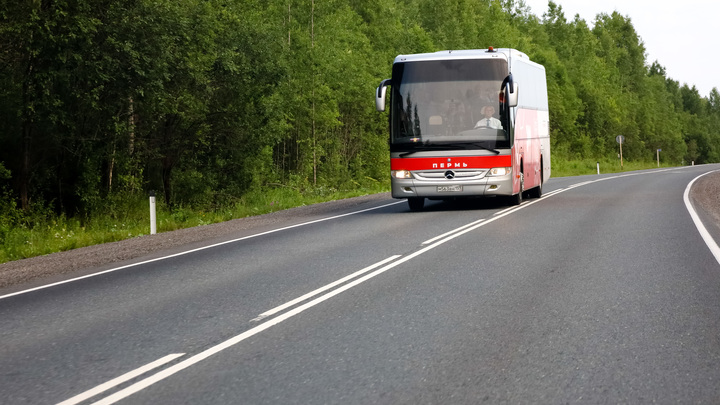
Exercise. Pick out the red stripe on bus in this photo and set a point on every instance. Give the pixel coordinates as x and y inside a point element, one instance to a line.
<point>456,162</point>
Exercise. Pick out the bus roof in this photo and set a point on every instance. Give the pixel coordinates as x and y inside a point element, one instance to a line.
<point>504,53</point>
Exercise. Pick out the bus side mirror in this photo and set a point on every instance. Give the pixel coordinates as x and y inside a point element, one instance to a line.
<point>510,90</point>
<point>513,96</point>
<point>380,95</point>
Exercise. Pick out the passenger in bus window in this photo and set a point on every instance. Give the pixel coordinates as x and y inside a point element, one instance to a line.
<point>488,120</point>
<point>477,98</point>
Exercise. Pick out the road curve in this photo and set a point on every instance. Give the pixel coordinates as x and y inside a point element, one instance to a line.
<point>601,291</point>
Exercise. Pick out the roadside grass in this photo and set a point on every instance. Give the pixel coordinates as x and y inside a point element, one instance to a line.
<point>45,234</point>
<point>567,168</point>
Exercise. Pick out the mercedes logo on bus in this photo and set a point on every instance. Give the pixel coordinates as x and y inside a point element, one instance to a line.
<point>449,174</point>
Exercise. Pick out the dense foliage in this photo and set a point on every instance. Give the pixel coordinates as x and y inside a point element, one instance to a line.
<point>206,100</point>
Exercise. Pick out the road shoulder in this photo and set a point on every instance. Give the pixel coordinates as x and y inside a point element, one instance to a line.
<point>35,271</point>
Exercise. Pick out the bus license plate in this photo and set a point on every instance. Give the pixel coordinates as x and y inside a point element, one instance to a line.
<point>443,189</point>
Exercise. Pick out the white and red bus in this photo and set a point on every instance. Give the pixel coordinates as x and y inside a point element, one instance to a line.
<point>467,124</point>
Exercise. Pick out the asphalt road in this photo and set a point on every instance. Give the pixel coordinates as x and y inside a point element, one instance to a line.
<point>602,291</point>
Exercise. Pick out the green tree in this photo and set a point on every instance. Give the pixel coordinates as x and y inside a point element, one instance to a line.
<point>206,100</point>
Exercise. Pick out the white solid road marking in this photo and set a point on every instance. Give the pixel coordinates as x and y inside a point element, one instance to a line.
<point>496,215</point>
<point>429,241</point>
<point>119,380</point>
<point>195,250</point>
<point>140,385</point>
<point>321,289</point>
<point>709,241</point>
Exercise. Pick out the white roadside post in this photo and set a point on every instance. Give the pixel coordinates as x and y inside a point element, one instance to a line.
<point>153,219</point>
<point>598,167</point>
<point>658,156</point>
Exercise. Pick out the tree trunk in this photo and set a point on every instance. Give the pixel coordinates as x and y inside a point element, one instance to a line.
<point>131,127</point>
<point>25,164</point>
<point>111,167</point>
<point>312,45</point>
<point>167,167</point>
<point>28,90</point>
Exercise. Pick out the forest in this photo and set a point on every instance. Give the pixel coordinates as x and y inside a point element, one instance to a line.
<point>206,101</point>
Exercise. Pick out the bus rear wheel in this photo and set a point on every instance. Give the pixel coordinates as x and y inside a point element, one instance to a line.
<point>536,192</point>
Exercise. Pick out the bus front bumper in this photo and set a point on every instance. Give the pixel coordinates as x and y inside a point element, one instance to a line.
<point>445,189</point>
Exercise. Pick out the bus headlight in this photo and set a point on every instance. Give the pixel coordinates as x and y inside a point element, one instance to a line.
<point>401,174</point>
<point>500,171</point>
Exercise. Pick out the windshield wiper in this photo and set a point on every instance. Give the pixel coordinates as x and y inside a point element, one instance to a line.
<point>477,144</point>
<point>429,149</point>
<point>450,146</point>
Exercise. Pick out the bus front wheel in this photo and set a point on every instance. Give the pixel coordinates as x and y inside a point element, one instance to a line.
<point>537,191</point>
<point>517,198</point>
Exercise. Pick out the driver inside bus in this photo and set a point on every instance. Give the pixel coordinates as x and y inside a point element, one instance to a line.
<point>488,121</point>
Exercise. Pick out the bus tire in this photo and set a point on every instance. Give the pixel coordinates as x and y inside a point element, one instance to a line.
<point>516,199</point>
<point>416,203</point>
<point>536,192</point>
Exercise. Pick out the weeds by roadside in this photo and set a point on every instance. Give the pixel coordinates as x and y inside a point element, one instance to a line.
<point>43,233</point>
<point>566,168</point>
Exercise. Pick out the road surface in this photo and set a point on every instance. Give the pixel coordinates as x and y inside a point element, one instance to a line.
<point>602,291</point>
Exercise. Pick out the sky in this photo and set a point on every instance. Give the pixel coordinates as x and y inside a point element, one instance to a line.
<point>683,36</point>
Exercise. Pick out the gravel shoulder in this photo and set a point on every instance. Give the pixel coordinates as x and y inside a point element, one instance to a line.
<point>31,272</point>
<point>705,195</point>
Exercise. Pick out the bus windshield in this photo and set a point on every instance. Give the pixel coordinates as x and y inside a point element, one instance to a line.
<point>450,103</point>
